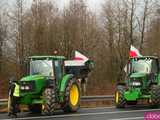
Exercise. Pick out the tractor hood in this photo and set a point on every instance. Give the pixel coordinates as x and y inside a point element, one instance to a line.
<point>30,86</point>
<point>33,77</point>
<point>137,75</point>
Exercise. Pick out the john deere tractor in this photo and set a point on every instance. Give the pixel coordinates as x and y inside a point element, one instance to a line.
<point>142,83</point>
<point>50,83</point>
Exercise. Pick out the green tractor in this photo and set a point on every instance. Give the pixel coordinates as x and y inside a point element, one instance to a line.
<point>142,83</point>
<point>51,84</point>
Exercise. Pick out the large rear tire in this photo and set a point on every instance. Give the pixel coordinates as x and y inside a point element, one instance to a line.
<point>120,101</point>
<point>155,96</point>
<point>72,97</point>
<point>49,106</point>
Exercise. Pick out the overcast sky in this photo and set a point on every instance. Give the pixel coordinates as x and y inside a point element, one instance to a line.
<point>95,5</point>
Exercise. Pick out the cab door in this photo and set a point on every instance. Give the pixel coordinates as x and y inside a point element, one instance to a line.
<point>59,71</point>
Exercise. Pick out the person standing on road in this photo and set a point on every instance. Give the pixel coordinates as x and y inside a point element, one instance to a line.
<point>14,91</point>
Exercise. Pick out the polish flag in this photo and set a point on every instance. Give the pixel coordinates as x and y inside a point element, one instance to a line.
<point>80,56</point>
<point>134,52</point>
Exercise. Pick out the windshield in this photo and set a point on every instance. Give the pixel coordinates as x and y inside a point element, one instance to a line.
<point>43,67</point>
<point>142,66</point>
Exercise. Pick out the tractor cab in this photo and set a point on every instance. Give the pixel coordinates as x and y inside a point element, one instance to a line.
<point>144,65</point>
<point>48,66</point>
<point>145,69</point>
<point>142,82</point>
<point>42,71</point>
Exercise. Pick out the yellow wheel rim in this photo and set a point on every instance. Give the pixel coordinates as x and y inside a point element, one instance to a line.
<point>74,95</point>
<point>117,96</point>
<point>43,107</point>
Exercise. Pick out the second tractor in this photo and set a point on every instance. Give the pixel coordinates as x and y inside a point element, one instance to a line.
<point>142,82</point>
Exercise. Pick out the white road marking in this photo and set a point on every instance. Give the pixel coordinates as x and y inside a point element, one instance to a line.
<point>130,118</point>
<point>83,114</point>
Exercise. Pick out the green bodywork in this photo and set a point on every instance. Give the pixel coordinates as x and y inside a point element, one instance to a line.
<point>63,85</point>
<point>134,93</point>
<point>36,95</point>
<point>32,97</point>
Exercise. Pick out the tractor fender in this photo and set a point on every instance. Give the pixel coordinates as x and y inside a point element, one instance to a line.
<point>63,85</point>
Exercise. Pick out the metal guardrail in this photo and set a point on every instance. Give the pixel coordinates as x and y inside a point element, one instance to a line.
<point>83,98</point>
<point>97,98</point>
<point>3,101</point>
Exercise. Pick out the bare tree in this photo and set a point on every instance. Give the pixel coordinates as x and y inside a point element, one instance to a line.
<point>19,42</point>
<point>148,10</point>
<point>132,20</point>
<point>2,39</point>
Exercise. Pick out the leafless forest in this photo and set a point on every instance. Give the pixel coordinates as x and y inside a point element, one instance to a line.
<point>105,37</point>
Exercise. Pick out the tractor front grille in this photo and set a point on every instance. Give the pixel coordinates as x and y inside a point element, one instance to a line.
<point>27,86</point>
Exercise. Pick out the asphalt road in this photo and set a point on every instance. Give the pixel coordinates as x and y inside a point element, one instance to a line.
<point>106,113</point>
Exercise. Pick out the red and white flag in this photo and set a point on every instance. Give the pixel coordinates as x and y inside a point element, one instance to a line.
<point>78,60</point>
<point>80,56</point>
<point>134,52</point>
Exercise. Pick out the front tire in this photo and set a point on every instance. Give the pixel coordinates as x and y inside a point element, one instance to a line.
<point>120,101</point>
<point>49,105</point>
<point>72,97</point>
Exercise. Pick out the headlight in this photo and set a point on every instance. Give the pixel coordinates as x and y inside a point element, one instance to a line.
<point>26,87</point>
<point>136,83</point>
<point>22,88</point>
